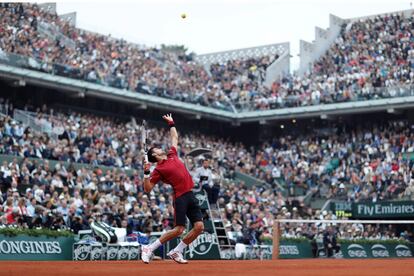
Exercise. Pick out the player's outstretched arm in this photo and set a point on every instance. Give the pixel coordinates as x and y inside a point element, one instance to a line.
<point>173,131</point>
<point>148,185</point>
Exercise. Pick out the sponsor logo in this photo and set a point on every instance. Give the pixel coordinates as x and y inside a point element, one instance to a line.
<point>379,251</point>
<point>203,244</point>
<point>96,253</point>
<point>385,209</point>
<point>30,247</point>
<point>111,252</point>
<point>356,251</point>
<point>402,251</point>
<point>133,252</point>
<point>288,250</point>
<point>81,252</point>
<point>343,206</point>
<point>201,199</point>
<point>123,253</point>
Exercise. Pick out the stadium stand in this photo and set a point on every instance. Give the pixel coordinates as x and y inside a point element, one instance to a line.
<point>45,171</point>
<point>104,60</point>
<point>68,168</point>
<point>353,69</point>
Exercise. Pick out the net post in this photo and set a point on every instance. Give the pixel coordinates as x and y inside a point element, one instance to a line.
<point>276,240</point>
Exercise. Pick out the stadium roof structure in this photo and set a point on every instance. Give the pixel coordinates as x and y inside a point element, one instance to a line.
<point>88,89</point>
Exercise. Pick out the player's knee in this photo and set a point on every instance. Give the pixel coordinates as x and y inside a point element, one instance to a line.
<point>199,226</point>
<point>179,230</point>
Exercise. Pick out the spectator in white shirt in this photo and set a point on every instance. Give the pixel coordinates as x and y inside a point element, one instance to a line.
<point>204,177</point>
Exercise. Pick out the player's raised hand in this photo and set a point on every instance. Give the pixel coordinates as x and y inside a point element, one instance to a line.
<point>169,119</point>
<point>147,167</point>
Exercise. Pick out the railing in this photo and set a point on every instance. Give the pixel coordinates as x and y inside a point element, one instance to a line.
<point>277,69</point>
<point>110,80</point>
<point>28,120</point>
<point>252,181</point>
<point>52,163</point>
<point>37,125</point>
<point>240,106</point>
<point>253,52</point>
<point>3,110</point>
<point>55,34</point>
<point>357,95</point>
<point>76,166</point>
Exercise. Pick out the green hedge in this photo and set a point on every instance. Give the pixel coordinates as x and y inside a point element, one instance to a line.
<point>298,240</point>
<point>366,241</point>
<point>12,231</point>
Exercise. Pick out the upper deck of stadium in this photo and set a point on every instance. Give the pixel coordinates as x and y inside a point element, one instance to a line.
<point>356,65</point>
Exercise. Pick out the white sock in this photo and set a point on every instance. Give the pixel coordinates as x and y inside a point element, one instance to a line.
<point>153,246</point>
<point>180,247</point>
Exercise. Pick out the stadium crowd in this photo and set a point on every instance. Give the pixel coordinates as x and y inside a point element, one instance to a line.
<point>108,61</point>
<point>367,163</point>
<point>371,58</point>
<point>86,166</point>
<point>89,166</point>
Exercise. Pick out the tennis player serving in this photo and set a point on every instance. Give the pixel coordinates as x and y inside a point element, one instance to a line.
<point>171,170</point>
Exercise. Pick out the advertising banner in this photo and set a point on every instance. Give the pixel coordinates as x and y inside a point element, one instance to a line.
<point>385,209</point>
<point>295,249</point>
<point>341,209</point>
<point>205,246</point>
<point>28,248</point>
<point>292,249</point>
<point>374,249</point>
<point>369,210</point>
<point>84,251</point>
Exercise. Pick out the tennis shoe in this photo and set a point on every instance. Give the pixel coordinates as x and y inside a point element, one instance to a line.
<point>177,256</point>
<point>146,254</point>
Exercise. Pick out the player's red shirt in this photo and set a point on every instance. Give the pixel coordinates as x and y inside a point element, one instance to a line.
<point>172,171</point>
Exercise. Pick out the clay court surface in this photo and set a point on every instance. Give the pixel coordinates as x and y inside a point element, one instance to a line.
<point>319,267</point>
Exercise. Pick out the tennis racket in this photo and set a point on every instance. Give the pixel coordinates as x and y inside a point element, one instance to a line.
<point>144,137</point>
